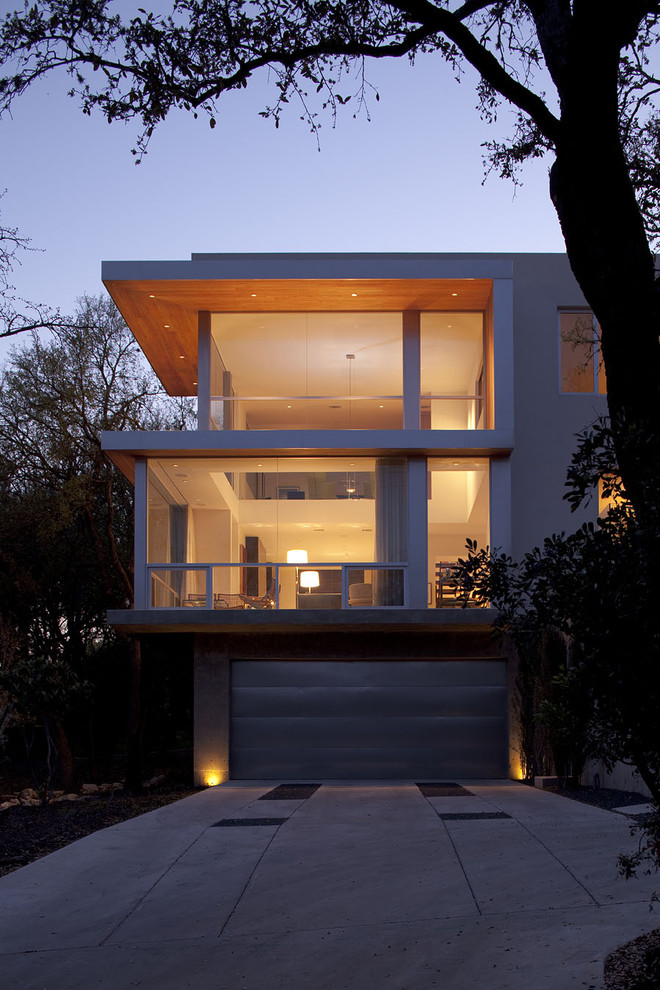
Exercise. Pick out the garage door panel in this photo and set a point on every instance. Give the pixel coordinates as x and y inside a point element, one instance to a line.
<point>361,764</point>
<point>311,673</point>
<point>289,702</point>
<point>375,719</point>
<point>367,733</point>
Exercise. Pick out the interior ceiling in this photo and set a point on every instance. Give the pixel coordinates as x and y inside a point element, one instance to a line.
<point>163,314</point>
<point>328,530</point>
<point>308,352</point>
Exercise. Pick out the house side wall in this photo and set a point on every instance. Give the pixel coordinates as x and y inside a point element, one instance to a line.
<point>546,421</point>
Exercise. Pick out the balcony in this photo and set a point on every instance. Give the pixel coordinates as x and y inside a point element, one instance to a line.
<point>321,585</point>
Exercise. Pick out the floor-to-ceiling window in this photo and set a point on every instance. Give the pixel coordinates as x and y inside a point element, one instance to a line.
<point>274,371</point>
<point>452,379</point>
<point>310,516</point>
<point>458,510</point>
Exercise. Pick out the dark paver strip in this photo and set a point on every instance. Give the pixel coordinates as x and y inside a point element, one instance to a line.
<point>472,816</point>
<point>290,792</point>
<point>230,822</point>
<point>443,789</point>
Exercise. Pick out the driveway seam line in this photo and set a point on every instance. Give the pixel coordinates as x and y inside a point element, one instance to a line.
<point>549,851</point>
<point>152,887</point>
<point>460,861</point>
<point>256,867</point>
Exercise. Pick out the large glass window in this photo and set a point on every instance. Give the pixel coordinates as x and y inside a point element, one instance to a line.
<point>299,370</point>
<point>311,514</point>
<point>581,366</point>
<point>458,510</point>
<point>452,371</point>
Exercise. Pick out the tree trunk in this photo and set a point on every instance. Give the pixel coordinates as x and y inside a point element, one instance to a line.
<point>611,260</point>
<point>135,740</point>
<point>65,762</point>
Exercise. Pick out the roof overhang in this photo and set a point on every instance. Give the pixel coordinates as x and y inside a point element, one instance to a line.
<point>161,301</point>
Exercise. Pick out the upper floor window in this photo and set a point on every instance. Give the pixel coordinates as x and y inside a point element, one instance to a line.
<point>345,370</point>
<point>581,366</point>
<point>277,371</point>
<point>452,371</point>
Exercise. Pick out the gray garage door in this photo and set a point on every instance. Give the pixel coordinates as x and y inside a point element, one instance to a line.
<point>368,719</point>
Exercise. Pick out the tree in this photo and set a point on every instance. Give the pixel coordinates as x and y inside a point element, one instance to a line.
<point>66,515</point>
<point>597,588</point>
<point>19,315</point>
<point>578,77</point>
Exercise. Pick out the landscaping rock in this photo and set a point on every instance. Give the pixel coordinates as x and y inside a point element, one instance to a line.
<point>90,789</point>
<point>29,793</point>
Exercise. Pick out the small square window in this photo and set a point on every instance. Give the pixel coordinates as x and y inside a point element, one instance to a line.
<point>581,367</point>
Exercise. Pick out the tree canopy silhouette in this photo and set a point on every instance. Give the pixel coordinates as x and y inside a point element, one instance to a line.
<point>578,75</point>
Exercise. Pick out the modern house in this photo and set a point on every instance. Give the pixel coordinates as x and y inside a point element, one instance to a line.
<point>360,417</point>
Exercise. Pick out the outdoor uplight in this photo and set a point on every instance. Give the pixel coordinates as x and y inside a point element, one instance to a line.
<point>212,779</point>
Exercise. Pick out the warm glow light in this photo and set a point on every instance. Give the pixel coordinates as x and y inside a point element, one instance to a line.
<point>309,579</point>
<point>212,779</point>
<point>296,556</point>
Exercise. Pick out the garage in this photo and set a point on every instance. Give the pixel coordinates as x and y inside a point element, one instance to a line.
<point>368,719</point>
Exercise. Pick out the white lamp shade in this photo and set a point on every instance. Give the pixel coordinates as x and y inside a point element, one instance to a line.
<point>309,579</point>
<point>296,556</point>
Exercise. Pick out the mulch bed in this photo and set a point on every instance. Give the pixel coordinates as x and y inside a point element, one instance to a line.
<point>28,833</point>
<point>636,965</point>
<point>601,798</point>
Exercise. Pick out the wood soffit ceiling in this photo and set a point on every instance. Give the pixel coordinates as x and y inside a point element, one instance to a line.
<point>163,313</point>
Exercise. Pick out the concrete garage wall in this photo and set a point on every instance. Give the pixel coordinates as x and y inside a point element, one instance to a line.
<point>440,711</point>
<point>212,699</point>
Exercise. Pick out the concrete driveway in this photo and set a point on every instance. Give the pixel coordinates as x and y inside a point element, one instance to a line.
<point>360,885</point>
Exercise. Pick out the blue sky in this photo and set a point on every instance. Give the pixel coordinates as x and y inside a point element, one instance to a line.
<point>408,180</point>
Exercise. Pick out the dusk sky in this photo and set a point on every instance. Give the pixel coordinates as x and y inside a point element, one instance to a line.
<point>409,180</point>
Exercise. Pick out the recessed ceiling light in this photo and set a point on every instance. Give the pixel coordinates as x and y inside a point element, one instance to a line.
<point>151,295</point>
<point>454,293</point>
<point>288,407</point>
<point>354,294</point>
<point>254,295</point>
<point>194,383</point>
<point>166,326</point>
<point>381,407</point>
<point>182,357</point>
<point>175,465</point>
